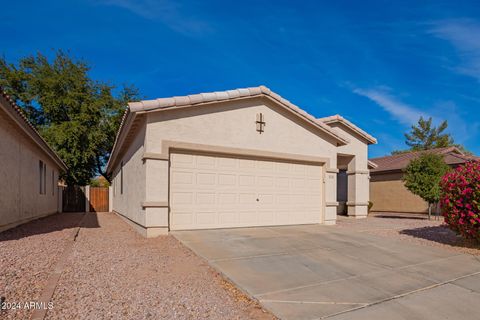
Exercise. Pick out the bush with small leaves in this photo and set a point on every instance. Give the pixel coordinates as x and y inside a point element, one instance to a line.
<point>460,200</point>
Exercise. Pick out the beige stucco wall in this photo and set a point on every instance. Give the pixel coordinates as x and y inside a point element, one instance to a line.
<point>357,170</point>
<point>223,125</point>
<point>20,198</point>
<point>389,194</point>
<point>355,147</point>
<point>128,202</point>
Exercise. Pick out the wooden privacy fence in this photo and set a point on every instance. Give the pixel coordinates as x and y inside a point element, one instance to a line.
<point>73,199</point>
<point>98,199</point>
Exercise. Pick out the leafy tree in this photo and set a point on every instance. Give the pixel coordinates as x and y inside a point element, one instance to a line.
<point>423,175</point>
<point>396,152</point>
<point>425,136</point>
<point>76,115</point>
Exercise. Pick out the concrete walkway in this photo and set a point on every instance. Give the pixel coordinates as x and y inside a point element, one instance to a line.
<point>316,272</point>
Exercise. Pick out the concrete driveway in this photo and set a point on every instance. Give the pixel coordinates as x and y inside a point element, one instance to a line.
<point>315,272</point>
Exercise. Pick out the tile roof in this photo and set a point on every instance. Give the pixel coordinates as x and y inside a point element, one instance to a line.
<point>16,112</point>
<point>218,96</point>
<point>339,119</point>
<point>452,156</point>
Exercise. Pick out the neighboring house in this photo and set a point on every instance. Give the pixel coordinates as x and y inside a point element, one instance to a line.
<point>237,158</point>
<point>29,169</point>
<point>387,189</point>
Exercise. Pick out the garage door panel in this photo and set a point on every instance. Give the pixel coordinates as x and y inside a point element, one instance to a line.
<point>227,199</point>
<point>266,199</point>
<point>247,217</point>
<point>180,160</point>
<point>297,183</point>
<point>222,192</point>
<point>227,163</point>
<point>283,199</point>
<point>246,165</point>
<point>283,217</point>
<point>208,179</point>
<point>227,217</point>
<point>183,177</point>
<point>265,217</point>
<point>206,198</point>
<point>206,219</point>
<point>282,167</point>
<point>265,181</point>
<point>227,179</point>
<point>247,199</point>
<point>265,166</point>
<point>246,180</point>
<point>282,182</point>
<point>205,162</point>
<point>314,185</point>
<point>182,198</point>
<point>182,219</point>
<point>313,172</point>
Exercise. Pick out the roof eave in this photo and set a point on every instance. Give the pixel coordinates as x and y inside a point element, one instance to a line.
<point>372,164</point>
<point>127,119</point>
<point>248,93</point>
<point>163,104</point>
<point>20,119</point>
<point>339,119</point>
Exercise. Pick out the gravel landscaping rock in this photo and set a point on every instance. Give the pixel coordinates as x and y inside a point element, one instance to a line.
<point>415,228</point>
<point>27,255</point>
<point>114,273</point>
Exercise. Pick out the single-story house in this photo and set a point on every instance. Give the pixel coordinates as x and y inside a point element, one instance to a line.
<point>29,169</point>
<point>387,189</point>
<point>237,158</point>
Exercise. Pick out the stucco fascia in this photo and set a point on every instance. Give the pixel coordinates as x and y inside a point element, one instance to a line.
<point>17,117</point>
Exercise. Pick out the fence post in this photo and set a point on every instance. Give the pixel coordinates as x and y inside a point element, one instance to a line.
<point>87,198</point>
<point>110,199</point>
<point>59,199</point>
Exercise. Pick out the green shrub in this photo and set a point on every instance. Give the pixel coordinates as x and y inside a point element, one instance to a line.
<point>460,200</point>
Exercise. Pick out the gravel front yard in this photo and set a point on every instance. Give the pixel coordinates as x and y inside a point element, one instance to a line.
<point>114,273</point>
<point>27,255</point>
<point>415,228</point>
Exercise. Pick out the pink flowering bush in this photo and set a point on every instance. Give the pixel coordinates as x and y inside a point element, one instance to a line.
<point>460,199</point>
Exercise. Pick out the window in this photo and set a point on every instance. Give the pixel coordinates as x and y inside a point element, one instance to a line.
<point>44,178</point>
<point>53,182</point>
<point>114,182</point>
<point>121,178</point>
<point>42,170</point>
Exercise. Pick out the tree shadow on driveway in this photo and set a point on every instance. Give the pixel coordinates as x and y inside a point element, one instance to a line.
<point>392,216</point>
<point>440,234</point>
<point>52,223</point>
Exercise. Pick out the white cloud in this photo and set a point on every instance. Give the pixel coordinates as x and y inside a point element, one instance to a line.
<point>461,130</point>
<point>168,12</point>
<point>464,35</point>
<point>408,115</point>
<point>402,112</point>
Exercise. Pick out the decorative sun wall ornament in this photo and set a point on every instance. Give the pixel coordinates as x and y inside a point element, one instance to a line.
<point>260,123</point>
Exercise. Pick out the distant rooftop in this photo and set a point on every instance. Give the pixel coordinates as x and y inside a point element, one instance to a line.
<point>452,156</point>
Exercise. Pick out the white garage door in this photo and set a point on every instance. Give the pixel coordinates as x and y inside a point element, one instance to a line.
<point>208,192</point>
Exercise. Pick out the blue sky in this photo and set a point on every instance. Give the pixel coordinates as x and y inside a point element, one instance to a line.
<point>380,64</point>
